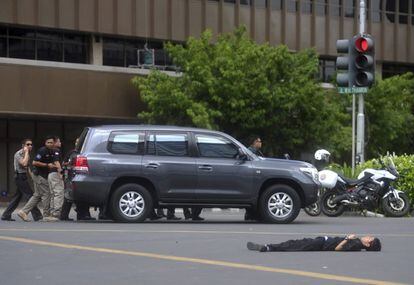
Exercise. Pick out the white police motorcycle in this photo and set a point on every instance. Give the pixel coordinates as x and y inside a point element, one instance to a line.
<point>372,190</point>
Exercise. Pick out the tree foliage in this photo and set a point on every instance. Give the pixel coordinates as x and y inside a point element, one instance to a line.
<point>243,88</point>
<point>389,114</point>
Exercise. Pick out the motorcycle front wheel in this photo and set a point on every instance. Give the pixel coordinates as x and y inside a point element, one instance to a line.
<point>396,207</point>
<point>314,209</point>
<point>331,209</point>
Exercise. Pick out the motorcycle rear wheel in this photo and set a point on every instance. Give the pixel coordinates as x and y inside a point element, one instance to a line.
<point>396,207</point>
<point>328,208</point>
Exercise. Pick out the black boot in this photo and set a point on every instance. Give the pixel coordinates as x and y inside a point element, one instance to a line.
<point>256,246</point>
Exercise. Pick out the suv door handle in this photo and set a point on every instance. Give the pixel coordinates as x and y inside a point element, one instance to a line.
<point>152,165</point>
<point>206,167</point>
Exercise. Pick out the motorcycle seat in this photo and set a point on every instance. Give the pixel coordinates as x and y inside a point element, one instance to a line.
<point>354,182</point>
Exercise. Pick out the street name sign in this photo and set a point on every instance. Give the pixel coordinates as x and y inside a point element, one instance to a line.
<point>352,90</point>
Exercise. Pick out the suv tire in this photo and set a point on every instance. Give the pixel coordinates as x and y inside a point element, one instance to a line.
<point>131,203</point>
<point>279,204</point>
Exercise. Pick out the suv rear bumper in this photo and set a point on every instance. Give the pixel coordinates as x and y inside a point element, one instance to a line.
<point>90,190</point>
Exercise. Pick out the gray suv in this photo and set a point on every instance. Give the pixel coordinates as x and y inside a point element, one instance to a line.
<point>130,169</point>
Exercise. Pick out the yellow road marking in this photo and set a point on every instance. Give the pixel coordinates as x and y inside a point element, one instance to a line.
<point>197,232</point>
<point>203,261</point>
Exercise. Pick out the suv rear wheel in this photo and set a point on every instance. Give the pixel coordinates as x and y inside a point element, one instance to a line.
<point>131,203</point>
<point>279,204</point>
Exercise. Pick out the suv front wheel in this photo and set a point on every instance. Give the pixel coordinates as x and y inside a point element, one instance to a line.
<point>279,204</point>
<point>131,203</point>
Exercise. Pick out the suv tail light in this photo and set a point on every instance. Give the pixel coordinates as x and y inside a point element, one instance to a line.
<point>81,164</point>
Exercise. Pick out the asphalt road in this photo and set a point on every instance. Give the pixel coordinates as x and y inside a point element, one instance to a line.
<point>209,252</point>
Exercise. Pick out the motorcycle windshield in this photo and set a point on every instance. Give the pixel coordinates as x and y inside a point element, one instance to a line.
<point>391,166</point>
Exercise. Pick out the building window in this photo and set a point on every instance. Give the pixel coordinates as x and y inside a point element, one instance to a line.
<point>47,50</point>
<point>75,48</point>
<point>390,11</point>
<point>246,2</point>
<point>276,4</point>
<point>403,9</point>
<point>412,13</point>
<point>3,41</point>
<point>113,52</point>
<point>320,7</point>
<point>335,8</point>
<point>292,6</point>
<point>260,3</point>
<point>124,53</point>
<point>22,43</point>
<point>22,48</point>
<point>306,7</point>
<point>230,1</point>
<point>374,8</point>
<point>392,69</point>
<point>50,46</point>
<point>42,44</point>
<point>3,46</point>
<point>349,8</point>
<point>326,69</point>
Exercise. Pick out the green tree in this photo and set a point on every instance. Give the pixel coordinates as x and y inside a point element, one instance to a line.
<point>240,87</point>
<point>389,116</point>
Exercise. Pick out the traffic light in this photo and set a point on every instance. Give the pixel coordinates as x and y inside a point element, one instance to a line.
<point>358,64</point>
<point>342,63</point>
<point>363,61</point>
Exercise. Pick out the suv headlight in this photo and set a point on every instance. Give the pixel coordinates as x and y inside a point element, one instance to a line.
<point>312,172</point>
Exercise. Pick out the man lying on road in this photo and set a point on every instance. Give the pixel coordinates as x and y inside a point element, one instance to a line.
<point>348,243</point>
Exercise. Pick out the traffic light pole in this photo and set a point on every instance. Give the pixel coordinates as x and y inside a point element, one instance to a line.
<point>362,17</point>
<point>357,64</point>
<point>360,148</point>
<point>360,130</point>
<point>353,133</point>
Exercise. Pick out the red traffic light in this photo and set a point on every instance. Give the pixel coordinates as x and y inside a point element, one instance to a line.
<point>363,44</point>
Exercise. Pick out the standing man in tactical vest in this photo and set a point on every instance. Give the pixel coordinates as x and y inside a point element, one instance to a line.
<point>55,180</point>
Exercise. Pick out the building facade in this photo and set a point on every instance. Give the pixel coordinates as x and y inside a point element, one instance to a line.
<point>65,64</point>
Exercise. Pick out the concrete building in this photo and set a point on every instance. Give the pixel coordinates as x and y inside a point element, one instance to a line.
<point>65,64</point>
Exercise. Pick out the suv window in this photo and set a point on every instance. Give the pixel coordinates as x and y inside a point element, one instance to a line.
<point>81,139</point>
<point>122,142</point>
<point>214,146</point>
<point>167,144</point>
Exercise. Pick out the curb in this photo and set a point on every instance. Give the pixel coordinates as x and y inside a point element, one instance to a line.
<point>363,214</point>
